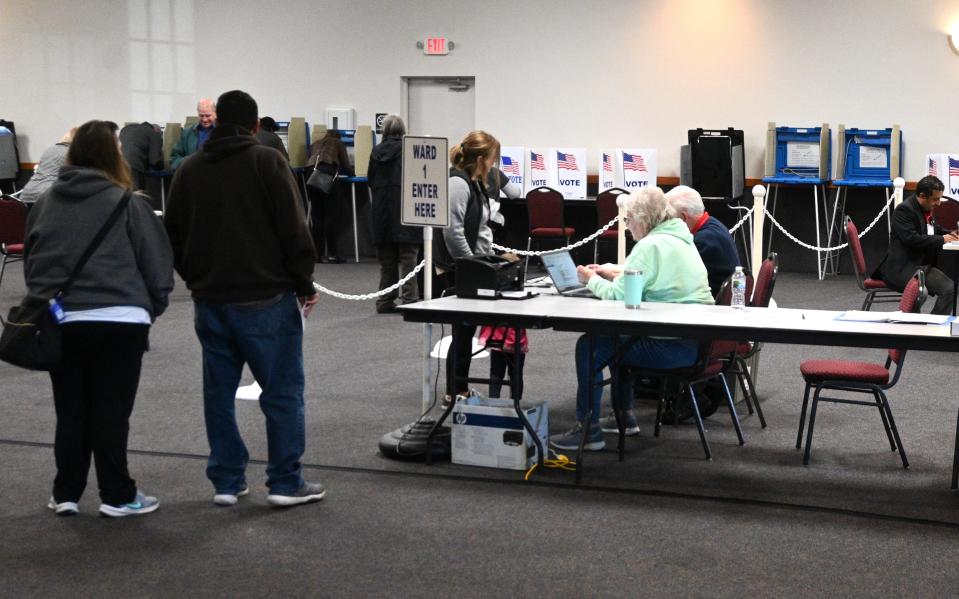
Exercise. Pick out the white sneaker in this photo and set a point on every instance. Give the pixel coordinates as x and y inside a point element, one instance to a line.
<point>228,499</point>
<point>64,508</point>
<point>308,493</point>
<point>141,504</point>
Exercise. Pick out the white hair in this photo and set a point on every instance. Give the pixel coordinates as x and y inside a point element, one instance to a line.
<point>647,207</point>
<point>393,125</point>
<point>683,198</point>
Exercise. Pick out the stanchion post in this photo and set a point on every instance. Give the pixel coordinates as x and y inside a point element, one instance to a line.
<point>759,219</point>
<point>428,327</point>
<point>898,184</point>
<point>620,237</point>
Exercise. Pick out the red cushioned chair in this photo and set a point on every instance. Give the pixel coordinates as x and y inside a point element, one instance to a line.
<point>860,377</point>
<point>607,210</point>
<point>545,206</point>
<point>678,383</point>
<point>13,227</point>
<point>877,292</point>
<point>761,295</point>
<point>947,214</point>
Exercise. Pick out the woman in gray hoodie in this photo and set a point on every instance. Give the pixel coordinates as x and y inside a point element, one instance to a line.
<point>107,314</point>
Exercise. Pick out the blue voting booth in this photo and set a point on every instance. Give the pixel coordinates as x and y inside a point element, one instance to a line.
<point>868,158</point>
<point>800,156</point>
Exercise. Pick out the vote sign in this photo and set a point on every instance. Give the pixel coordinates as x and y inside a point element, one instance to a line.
<point>425,181</point>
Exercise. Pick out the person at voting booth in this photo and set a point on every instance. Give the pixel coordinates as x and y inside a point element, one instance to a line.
<point>468,233</point>
<point>142,146</point>
<point>914,242</point>
<point>193,138</point>
<point>329,155</point>
<point>107,313</point>
<point>267,136</point>
<point>397,246</point>
<point>713,241</point>
<point>673,273</point>
<point>48,169</point>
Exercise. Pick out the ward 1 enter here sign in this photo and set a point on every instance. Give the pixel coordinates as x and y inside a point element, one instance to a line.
<point>425,181</point>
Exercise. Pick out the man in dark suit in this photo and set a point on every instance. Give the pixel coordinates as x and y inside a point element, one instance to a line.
<point>915,240</point>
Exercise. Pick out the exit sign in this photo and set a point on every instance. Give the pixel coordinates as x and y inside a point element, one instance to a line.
<point>436,46</point>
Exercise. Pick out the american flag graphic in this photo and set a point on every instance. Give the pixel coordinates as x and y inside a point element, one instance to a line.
<point>607,163</point>
<point>510,166</point>
<point>933,168</point>
<point>566,162</point>
<point>633,162</point>
<point>953,167</point>
<point>536,161</point>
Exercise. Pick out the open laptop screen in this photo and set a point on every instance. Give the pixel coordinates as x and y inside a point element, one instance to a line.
<point>562,270</point>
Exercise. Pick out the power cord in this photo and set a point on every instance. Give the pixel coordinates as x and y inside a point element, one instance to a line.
<point>555,460</point>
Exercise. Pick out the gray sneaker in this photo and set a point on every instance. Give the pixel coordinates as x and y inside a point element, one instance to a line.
<point>141,504</point>
<point>64,508</point>
<point>569,441</point>
<point>308,493</point>
<point>228,499</point>
<point>609,425</point>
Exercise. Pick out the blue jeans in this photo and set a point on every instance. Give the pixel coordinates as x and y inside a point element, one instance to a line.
<point>270,340</point>
<point>648,352</point>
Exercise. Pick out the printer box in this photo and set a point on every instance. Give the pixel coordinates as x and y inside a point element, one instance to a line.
<point>489,433</point>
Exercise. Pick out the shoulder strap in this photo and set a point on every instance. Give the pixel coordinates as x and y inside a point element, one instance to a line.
<point>96,242</point>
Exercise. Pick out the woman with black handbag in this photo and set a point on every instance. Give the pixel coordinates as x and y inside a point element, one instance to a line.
<point>329,158</point>
<point>105,315</point>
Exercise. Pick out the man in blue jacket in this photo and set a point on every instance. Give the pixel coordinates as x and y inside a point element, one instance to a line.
<point>193,138</point>
<point>713,240</point>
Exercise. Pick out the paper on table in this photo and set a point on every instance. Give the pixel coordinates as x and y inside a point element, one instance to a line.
<point>896,317</point>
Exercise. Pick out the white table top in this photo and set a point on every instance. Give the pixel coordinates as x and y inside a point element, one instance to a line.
<point>696,321</point>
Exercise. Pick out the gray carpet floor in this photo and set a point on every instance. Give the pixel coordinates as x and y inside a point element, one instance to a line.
<point>753,520</point>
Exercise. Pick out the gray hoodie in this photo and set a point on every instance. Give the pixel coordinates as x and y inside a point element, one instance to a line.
<point>133,266</point>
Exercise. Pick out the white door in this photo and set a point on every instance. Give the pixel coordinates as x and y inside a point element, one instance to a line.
<point>441,106</point>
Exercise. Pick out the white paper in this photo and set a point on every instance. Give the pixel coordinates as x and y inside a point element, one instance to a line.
<point>804,155</point>
<point>872,157</point>
<point>894,317</point>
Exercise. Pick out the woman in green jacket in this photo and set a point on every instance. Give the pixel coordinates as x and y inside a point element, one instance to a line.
<point>673,273</point>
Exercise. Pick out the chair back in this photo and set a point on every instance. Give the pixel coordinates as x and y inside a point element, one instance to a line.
<point>545,206</point>
<point>947,214</point>
<point>855,250</point>
<point>606,208</point>
<point>13,220</point>
<point>766,281</point>
<point>913,296</point>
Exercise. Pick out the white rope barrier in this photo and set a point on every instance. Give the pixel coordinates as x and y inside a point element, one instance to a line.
<point>606,227</point>
<point>745,217</point>
<point>571,246</point>
<point>833,248</point>
<point>368,296</point>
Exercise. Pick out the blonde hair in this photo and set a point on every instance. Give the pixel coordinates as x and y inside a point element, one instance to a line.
<point>647,207</point>
<point>465,156</point>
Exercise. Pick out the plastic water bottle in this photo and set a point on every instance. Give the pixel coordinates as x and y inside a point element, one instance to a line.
<point>739,289</point>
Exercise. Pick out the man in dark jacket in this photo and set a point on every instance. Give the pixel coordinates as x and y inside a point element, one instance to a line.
<point>914,242</point>
<point>241,244</point>
<point>397,246</point>
<point>713,241</point>
<point>142,146</point>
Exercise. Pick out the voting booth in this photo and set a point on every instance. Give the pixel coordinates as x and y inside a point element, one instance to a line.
<point>714,164</point>
<point>802,156</point>
<point>627,169</point>
<point>867,158</point>
<point>562,169</point>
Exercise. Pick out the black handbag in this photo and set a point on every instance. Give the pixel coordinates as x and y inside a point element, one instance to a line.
<point>31,336</point>
<point>322,180</point>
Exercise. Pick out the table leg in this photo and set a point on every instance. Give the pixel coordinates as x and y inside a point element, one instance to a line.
<point>955,282</point>
<point>356,240</point>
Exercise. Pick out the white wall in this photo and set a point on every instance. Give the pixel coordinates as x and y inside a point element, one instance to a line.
<point>561,72</point>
